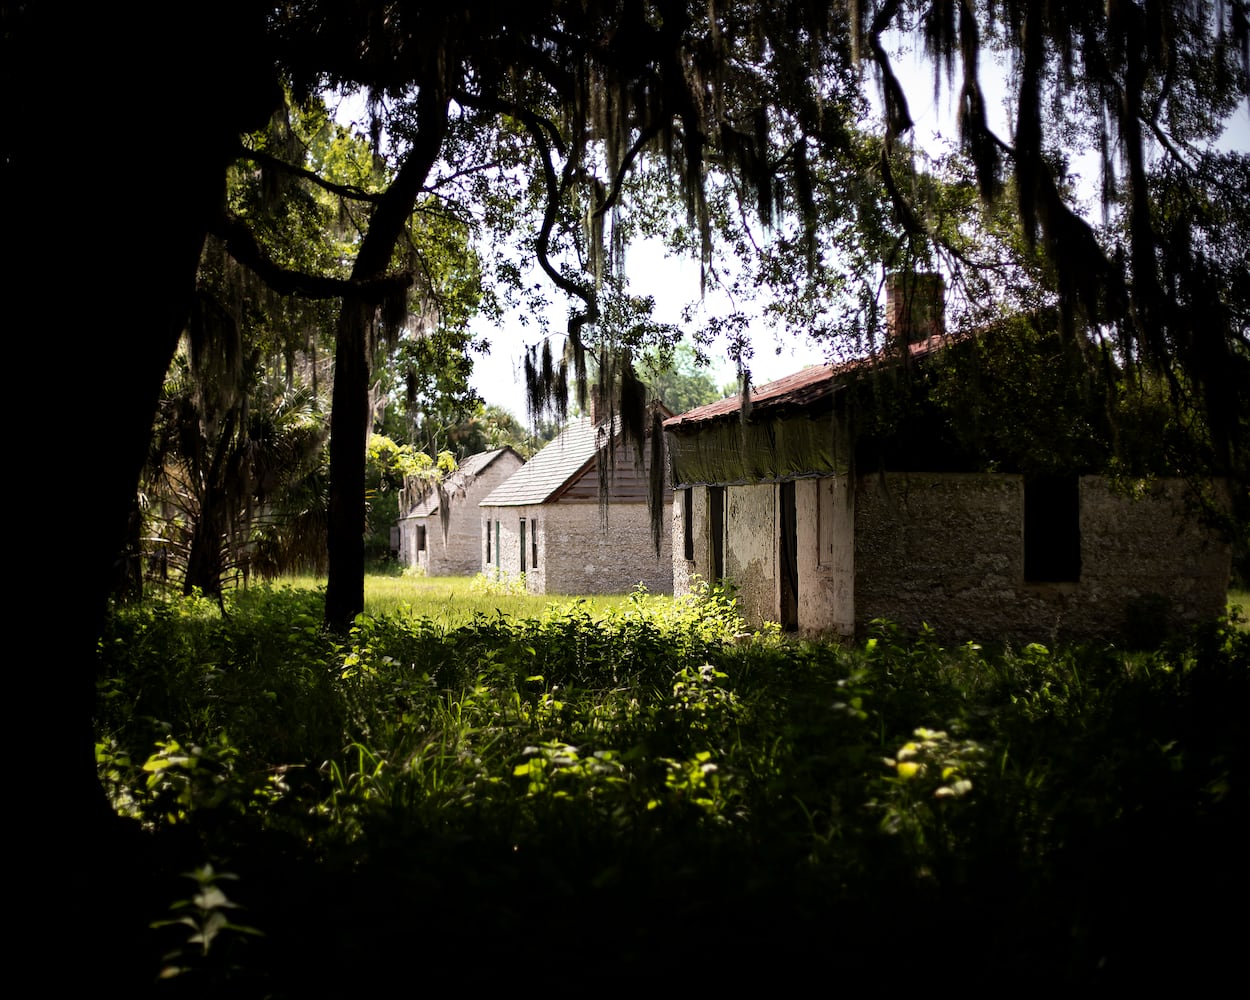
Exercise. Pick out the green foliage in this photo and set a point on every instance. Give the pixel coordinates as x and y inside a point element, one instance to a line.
<point>390,470</point>
<point>181,671</point>
<point>391,463</point>
<point>488,427</point>
<point>232,484</point>
<point>679,378</point>
<point>930,774</point>
<point>1021,396</point>
<point>622,758</point>
<point>207,915</point>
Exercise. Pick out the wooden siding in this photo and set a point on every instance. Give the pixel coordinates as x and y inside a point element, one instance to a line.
<point>627,483</point>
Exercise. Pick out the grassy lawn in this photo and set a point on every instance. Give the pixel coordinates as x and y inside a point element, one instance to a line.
<point>454,600</point>
<point>451,601</point>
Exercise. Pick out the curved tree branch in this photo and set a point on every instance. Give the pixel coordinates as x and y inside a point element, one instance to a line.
<point>627,161</point>
<point>241,244</point>
<point>350,191</point>
<point>897,116</point>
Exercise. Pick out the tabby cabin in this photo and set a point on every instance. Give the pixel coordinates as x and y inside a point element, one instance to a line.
<point>455,552</point>
<point>547,523</point>
<point>785,507</point>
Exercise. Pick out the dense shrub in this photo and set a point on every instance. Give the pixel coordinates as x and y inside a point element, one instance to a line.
<point>651,774</point>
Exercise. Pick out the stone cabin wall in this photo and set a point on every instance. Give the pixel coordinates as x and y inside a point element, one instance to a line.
<point>948,550</point>
<point>460,554</point>
<point>575,554</point>
<point>944,551</point>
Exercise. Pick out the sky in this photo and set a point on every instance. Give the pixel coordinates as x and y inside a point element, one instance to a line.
<point>498,376</point>
<point>673,282</point>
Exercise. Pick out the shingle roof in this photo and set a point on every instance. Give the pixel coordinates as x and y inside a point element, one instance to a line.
<point>800,389</point>
<point>457,481</point>
<point>551,468</point>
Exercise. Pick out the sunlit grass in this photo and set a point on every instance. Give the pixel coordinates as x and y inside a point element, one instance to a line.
<point>450,600</point>
<point>1240,599</point>
<point>454,600</point>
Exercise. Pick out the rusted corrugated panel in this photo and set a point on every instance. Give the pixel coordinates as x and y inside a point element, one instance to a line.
<point>791,431</point>
<point>785,445</point>
<point>627,484</point>
<point>802,389</point>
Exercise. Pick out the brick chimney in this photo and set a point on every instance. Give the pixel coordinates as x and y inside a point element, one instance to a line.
<point>915,306</point>
<point>598,405</point>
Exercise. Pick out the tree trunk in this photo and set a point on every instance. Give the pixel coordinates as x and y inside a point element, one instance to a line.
<point>349,417</point>
<point>101,285</point>
<point>205,566</point>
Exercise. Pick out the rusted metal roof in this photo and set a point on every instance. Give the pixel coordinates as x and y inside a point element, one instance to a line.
<point>801,389</point>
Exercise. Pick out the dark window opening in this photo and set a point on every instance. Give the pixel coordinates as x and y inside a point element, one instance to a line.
<point>523,552</point>
<point>788,555</point>
<point>687,523</point>
<point>420,537</point>
<point>1052,530</point>
<point>716,514</point>
<point>533,544</point>
<point>488,543</point>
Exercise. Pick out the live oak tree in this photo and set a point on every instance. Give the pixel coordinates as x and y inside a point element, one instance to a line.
<point>767,101</point>
<point>126,140</point>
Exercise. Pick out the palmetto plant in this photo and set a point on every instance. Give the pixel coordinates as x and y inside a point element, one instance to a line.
<point>235,482</point>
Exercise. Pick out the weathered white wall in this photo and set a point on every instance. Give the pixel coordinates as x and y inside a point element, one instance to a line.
<point>685,571</point>
<point>751,549</point>
<point>577,555</point>
<point>407,542</point>
<point>505,563</point>
<point>825,518</point>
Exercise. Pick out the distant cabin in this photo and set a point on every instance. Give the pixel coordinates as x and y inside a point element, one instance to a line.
<point>422,540</point>
<point>818,537</point>
<point>546,521</point>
